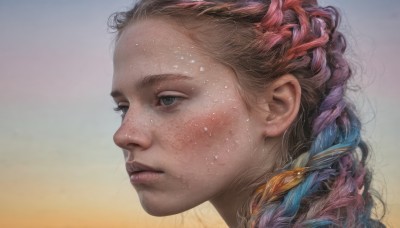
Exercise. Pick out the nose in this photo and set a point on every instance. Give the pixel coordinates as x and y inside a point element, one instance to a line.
<point>133,133</point>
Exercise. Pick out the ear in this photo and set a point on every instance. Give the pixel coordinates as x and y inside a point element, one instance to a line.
<point>280,105</point>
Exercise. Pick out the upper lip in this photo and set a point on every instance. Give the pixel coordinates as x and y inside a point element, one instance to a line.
<point>135,167</point>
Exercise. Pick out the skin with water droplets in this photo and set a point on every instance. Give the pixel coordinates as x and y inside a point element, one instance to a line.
<point>202,139</point>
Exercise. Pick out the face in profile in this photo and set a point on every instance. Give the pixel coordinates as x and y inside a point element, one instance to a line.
<point>186,132</point>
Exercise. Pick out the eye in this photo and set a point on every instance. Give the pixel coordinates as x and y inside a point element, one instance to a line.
<point>122,109</point>
<point>167,100</point>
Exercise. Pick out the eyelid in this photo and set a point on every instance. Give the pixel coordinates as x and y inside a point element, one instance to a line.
<point>171,94</point>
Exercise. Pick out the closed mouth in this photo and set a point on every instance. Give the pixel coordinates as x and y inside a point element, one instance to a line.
<point>134,168</point>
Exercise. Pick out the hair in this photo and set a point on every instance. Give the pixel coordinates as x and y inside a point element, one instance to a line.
<point>321,178</point>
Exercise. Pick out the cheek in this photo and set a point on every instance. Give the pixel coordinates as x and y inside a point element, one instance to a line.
<point>200,133</point>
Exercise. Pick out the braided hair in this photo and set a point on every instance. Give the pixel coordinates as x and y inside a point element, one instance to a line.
<point>321,178</point>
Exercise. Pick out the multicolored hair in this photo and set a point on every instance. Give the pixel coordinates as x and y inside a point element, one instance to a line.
<point>321,178</point>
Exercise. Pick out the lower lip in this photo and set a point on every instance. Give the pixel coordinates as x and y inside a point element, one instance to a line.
<point>145,177</point>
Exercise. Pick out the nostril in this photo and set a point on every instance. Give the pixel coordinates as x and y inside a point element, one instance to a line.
<point>128,138</point>
<point>133,134</point>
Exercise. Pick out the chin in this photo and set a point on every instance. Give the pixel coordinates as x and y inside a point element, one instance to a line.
<point>160,211</point>
<point>162,208</point>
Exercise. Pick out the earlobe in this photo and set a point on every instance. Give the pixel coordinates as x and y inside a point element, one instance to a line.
<point>283,101</point>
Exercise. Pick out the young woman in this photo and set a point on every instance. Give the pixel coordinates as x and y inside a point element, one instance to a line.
<point>240,103</point>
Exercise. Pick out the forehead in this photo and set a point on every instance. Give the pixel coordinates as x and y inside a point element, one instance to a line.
<point>158,47</point>
<point>152,36</point>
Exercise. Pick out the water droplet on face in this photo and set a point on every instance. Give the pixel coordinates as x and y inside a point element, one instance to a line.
<point>215,157</point>
<point>151,121</point>
<point>226,87</point>
<point>247,120</point>
<point>192,61</point>
<point>182,57</point>
<point>202,69</point>
<point>137,44</point>
<point>205,129</point>
<point>175,66</point>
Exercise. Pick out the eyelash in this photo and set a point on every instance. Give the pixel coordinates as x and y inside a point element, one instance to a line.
<point>123,109</point>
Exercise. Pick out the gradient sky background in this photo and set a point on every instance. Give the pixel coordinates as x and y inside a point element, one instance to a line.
<point>58,164</point>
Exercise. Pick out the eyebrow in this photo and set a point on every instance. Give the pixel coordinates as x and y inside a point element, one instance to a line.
<point>152,80</point>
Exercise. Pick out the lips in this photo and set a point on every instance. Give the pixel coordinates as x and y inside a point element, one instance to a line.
<point>140,173</point>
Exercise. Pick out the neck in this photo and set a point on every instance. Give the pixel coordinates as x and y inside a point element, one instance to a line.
<point>229,204</point>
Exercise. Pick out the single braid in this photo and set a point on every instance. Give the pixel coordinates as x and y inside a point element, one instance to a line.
<point>336,130</point>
